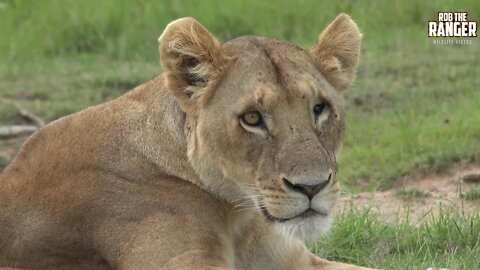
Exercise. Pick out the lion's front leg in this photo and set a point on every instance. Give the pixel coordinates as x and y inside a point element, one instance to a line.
<point>272,250</point>
<point>329,265</point>
<point>263,247</point>
<point>322,264</point>
<point>151,248</point>
<point>196,259</point>
<point>301,258</point>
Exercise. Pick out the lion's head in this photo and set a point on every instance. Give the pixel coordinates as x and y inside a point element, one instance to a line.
<point>264,118</point>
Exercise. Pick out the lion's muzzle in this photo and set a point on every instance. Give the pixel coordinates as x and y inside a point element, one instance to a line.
<point>309,190</point>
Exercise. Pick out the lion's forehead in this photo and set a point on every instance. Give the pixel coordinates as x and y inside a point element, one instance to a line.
<point>273,70</point>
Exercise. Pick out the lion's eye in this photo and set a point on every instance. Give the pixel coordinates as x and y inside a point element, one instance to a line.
<point>319,108</point>
<point>252,119</point>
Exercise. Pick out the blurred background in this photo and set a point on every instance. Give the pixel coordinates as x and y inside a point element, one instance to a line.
<point>413,113</point>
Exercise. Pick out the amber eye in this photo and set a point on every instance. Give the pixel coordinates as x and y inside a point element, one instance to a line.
<point>319,108</point>
<point>252,119</point>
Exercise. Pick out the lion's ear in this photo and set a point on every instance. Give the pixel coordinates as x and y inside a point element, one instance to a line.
<point>337,52</point>
<point>192,58</point>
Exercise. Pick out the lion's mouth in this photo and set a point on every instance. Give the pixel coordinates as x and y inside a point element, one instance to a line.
<point>305,214</point>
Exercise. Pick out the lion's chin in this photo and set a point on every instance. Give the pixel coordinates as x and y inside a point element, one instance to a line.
<point>308,228</point>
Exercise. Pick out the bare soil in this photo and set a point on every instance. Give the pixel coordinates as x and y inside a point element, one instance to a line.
<point>422,198</point>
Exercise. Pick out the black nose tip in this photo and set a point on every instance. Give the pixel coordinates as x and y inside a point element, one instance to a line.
<point>309,190</point>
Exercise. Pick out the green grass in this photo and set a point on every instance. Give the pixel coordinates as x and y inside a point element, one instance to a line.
<point>126,29</point>
<point>450,241</point>
<point>412,109</point>
<point>60,86</point>
<point>473,194</point>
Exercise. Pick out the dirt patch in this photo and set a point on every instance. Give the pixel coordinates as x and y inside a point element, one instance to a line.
<point>422,199</point>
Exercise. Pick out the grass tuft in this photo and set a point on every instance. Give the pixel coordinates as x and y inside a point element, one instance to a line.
<point>450,241</point>
<point>473,194</point>
<point>410,194</point>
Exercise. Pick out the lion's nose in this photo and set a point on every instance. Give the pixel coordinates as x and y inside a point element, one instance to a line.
<point>309,190</point>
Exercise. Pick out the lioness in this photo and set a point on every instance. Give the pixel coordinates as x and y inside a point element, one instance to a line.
<point>227,160</point>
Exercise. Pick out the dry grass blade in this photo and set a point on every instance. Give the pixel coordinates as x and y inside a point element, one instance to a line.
<point>8,132</point>
<point>27,115</point>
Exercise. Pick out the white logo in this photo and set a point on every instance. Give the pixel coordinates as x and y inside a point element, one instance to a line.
<point>452,24</point>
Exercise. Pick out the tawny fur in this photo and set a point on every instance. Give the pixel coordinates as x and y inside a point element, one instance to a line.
<point>168,176</point>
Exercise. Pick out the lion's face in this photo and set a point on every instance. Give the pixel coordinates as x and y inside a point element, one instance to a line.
<point>273,126</point>
<point>265,120</point>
